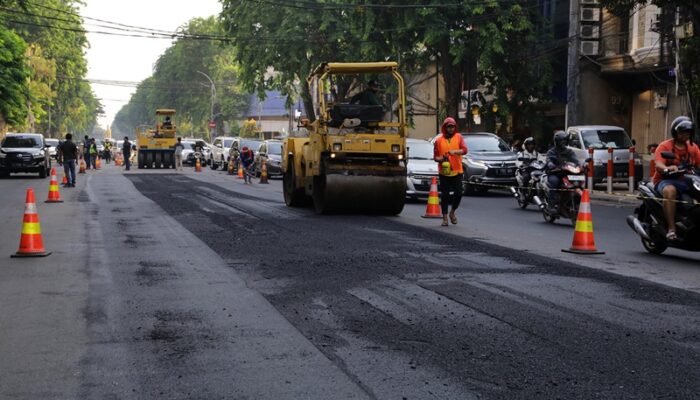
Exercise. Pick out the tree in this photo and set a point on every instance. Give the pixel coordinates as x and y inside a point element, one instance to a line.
<point>13,76</point>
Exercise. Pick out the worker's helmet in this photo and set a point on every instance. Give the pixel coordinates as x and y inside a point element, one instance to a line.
<point>561,139</point>
<point>678,122</point>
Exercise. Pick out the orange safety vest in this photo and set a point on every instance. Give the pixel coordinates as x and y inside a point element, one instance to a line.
<point>443,146</point>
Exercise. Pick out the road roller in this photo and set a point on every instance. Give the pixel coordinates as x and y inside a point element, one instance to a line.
<point>352,157</point>
<point>156,145</point>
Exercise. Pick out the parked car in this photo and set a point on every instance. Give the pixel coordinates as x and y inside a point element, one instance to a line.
<point>239,143</point>
<point>489,161</point>
<point>600,138</point>
<point>220,150</point>
<point>24,152</point>
<point>52,149</point>
<point>421,168</point>
<point>270,153</point>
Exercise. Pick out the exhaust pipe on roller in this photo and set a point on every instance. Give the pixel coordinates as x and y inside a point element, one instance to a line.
<point>637,226</point>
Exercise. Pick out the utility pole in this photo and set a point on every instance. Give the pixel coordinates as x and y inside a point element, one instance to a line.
<point>213,99</point>
<point>573,78</point>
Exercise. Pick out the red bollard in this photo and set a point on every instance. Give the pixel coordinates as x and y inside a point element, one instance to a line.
<point>630,173</point>
<point>611,170</point>
<point>591,171</point>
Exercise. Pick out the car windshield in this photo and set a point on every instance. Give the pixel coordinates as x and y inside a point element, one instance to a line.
<point>187,145</point>
<point>52,142</point>
<point>420,151</point>
<point>274,148</point>
<point>602,139</point>
<point>20,141</point>
<point>483,143</point>
<point>251,144</point>
<point>228,142</point>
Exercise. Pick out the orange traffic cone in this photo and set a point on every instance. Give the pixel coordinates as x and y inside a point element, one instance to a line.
<point>197,166</point>
<point>54,195</point>
<point>240,171</point>
<point>583,242</point>
<point>65,180</point>
<point>263,172</point>
<point>97,163</point>
<point>230,166</point>
<point>30,242</point>
<point>82,167</point>
<point>433,208</point>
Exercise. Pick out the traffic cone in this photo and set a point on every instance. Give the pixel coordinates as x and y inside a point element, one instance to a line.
<point>97,163</point>
<point>82,166</point>
<point>263,172</point>
<point>583,242</point>
<point>433,208</point>
<point>240,171</point>
<point>230,166</point>
<point>65,180</point>
<point>54,195</point>
<point>30,242</point>
<point>197,166</point>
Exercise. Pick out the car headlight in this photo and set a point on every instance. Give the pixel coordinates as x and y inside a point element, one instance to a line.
<point>477,163</point>
<point>38,155</point>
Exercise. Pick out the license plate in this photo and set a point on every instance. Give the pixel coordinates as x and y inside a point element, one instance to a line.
<point>578,178</point>
<point>621,175</point>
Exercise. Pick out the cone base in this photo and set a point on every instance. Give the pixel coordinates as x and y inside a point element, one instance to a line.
<point>25,255</point>
<point>53,201</point>
<point>431,216</point>
<point>576,251</point>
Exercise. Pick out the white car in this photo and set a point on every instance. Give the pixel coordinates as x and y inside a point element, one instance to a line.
<point>52,149</point>
<point>421,168</point>
<point>220,150</point>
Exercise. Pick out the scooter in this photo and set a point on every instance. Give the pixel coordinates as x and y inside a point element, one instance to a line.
<point>527,189</point>
<point>573,180</point>
<point>648,220</point>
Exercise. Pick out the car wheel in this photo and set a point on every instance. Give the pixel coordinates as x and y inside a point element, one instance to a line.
<point>468,189</point>
<point>42,172</point>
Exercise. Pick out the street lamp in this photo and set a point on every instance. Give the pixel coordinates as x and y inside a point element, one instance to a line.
<point>213,98</point>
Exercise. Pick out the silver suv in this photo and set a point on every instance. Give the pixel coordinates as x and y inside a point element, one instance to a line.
<point>220,151</point>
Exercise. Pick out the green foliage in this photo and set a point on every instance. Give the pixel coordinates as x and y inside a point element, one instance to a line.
<point>177,83</point>
<point>249,129</point>
<point>13,76</point>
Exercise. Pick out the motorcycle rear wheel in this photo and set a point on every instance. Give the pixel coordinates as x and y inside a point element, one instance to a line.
<point>654,247</point>
<point>522,199</point>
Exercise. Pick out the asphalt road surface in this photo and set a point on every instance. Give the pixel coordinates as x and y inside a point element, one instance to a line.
<point>197,286</point>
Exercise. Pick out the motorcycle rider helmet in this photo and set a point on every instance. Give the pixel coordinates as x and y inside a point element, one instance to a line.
<point>561,139</point>
<point>529,141</point>
<point>676,122</point>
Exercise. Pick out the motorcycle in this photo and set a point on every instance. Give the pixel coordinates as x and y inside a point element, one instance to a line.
<point>526,190</point>
<point>648,220</point>
<point>573,181</point>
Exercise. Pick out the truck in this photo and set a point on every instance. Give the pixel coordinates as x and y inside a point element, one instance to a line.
<point>156,146</point>
<point>353,157</point>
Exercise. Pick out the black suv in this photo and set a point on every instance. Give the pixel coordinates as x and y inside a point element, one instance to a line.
<point>24,152</point>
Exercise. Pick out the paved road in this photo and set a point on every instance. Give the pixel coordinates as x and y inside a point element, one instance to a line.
<point>196,286</point>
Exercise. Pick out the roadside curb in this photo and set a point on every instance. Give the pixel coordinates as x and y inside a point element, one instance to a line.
<point>615,198</point>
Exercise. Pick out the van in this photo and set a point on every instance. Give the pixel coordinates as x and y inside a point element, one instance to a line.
<point>600,138</point>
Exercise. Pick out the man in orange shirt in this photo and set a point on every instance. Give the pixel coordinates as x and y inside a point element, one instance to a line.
<point>687,156</point>
<point>448,151</point>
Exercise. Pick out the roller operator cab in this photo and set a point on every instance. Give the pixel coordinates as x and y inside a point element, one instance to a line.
<point>354,156</point>
<point>156,146</point>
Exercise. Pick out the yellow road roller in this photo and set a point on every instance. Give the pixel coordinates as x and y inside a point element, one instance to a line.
<point>156,146</point>
<point>353,159</point>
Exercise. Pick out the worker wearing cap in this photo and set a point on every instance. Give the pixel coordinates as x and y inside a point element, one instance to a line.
<point>367,97</point>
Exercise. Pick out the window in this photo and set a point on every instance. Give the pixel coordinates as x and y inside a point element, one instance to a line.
<point>274,148</point>
<point>228,142</point>
<point>21,141</point>
<point>420,151</point>
<point>485,143</point>
<point>574,140</point>
<point>602,139</point>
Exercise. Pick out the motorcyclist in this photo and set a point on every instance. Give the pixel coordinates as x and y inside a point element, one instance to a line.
<point>527,155</point>
<point>556,156</point>
<point>687,156</point>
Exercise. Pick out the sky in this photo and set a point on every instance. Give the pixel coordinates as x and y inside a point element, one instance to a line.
<point>116,58</point>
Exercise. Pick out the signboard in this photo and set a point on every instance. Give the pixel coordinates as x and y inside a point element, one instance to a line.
<point>212,124</point>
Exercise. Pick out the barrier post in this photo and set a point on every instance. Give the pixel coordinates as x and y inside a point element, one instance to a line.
<point>591,170</point>
<point>652,163</point>
<point>630,173</point>
<point>611,170</point>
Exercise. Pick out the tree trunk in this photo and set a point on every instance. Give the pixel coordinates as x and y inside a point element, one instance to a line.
<point>452,74</point>
<point>307,99</point>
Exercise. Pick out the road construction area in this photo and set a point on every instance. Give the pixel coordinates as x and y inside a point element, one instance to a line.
<point>185,285</point>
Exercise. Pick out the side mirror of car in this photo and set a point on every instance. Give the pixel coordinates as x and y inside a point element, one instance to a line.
<point>669,155</point>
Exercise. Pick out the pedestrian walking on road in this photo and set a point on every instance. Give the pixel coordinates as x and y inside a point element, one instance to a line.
<point>86,152</point>
<point>68,155</point>
<point>126,150</point>
<point>448,151</point>
<point>179,147</point>
<point>247,159</point>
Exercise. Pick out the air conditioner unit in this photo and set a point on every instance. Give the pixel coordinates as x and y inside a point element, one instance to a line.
<point>590,47</point>
<point>590,32</point>
<point>660,100</point>
<point>590,2</point>
<point>590,14</point>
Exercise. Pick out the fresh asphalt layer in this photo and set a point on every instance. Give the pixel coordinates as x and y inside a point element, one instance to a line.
<point>197,286</point>
<point>409,312</point>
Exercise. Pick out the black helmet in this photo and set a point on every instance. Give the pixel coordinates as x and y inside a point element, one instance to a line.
<point>529,140</point>
<point>683,126</point>
<point>676,122</point>
<point>561,139</point>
